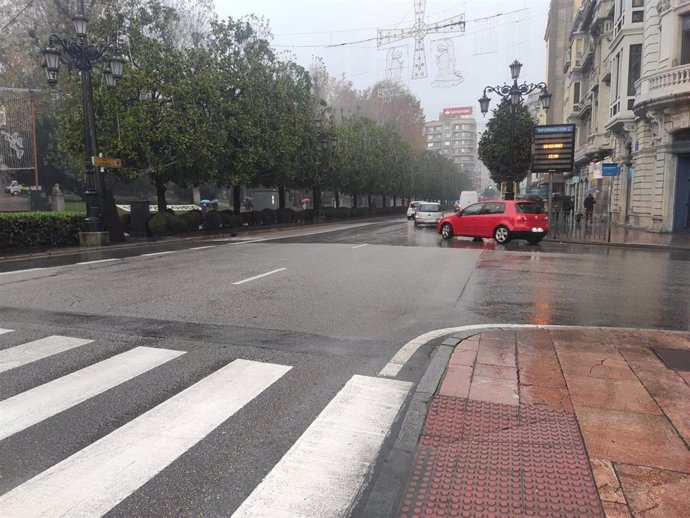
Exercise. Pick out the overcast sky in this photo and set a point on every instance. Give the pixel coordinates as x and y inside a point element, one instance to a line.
<point>496,32</point>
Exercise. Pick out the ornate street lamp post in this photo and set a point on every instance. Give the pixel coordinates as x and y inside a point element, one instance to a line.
<point>514,92</point>
<point>83,56</point>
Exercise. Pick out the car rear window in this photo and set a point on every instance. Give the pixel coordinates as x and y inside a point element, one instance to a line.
<point>429,207</point>
<point>529,208</point>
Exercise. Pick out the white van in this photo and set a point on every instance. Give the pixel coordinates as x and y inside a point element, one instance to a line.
<point>467,198</point>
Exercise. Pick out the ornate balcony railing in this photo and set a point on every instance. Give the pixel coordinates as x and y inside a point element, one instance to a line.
<point>666,83</point>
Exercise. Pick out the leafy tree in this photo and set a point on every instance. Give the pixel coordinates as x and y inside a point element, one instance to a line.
<point>494,144</point>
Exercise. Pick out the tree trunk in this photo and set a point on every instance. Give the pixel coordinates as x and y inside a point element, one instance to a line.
<point>337,200</point>
<point>281,197</point>
<point>160,193</point>
<point>354,201</point>
<point>369,201</point>
<point>383,201</point>
<point>236,201</point>
<point>315,201</point>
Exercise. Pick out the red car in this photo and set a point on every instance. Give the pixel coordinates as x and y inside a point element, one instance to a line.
<point>501,219</point>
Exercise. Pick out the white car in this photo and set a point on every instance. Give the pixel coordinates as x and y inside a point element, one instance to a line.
<point>15,188</point>
<point>428,213</point>
<point>412,209</point>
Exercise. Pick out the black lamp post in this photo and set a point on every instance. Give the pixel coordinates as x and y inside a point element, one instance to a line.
<point>514,92</point>
<point>83,55</point>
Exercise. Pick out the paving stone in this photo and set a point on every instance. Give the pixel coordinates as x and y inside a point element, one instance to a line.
<point>549,397</point>
<point>592,365</point>
<point>456,382</point>
<point>633,438</point>
<point>629,396</point>
<point>494,390</point>
<point>607,481</point>
<point>616,510</point>
<point>495,371</point>
<point>463,358</point>
<point>655,493</point>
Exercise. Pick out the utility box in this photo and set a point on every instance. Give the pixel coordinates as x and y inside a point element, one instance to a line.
<point>139,213</point>
<point>38,199</point>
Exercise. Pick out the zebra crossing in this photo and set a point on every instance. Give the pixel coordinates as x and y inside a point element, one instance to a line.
<point>321,474</point>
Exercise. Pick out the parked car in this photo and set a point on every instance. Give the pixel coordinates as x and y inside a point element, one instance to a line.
<point>412,209</point>
<point>15,188</point>
<point>428,213</point>
<point>467,198</point>
<point>501,219</point>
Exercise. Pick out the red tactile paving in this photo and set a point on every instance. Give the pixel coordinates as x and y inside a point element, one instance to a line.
<point>479,459</point>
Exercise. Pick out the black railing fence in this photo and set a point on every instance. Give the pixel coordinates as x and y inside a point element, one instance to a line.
<point>594,226</point>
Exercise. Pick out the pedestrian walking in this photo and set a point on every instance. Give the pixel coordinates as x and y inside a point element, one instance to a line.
<point>567,208</point>
<point>589,207</point>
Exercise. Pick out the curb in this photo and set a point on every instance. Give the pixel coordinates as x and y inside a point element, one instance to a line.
<point>643,246</point>
<point>383,498</point>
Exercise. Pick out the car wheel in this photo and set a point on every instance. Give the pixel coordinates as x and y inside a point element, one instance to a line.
<point>534,240</point>
<point>502,234</point>
<point>14,193</point>
<point>447,231</point>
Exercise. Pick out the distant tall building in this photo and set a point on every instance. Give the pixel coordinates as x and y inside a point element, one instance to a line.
<point>455,135</point>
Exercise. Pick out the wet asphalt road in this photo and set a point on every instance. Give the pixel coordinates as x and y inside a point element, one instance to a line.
<point>334,304</point>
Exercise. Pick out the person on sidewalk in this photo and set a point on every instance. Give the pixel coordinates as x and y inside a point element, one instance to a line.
<point>567,209</point>
<point>589,208</point>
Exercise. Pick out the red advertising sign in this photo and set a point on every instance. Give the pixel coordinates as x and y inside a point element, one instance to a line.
<point>458,111</point>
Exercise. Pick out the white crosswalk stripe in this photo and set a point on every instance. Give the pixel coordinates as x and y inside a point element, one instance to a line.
<point>323,472</point>
<point>37,350</point>
<point>28,408</point>
<point>97,478</point>
<point>3,331</point>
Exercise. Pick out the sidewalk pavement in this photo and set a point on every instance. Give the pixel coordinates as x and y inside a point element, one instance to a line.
<point>558,423</point>
<point>622,236</point>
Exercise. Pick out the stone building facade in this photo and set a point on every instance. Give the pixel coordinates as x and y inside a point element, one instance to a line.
<point>627,88</point>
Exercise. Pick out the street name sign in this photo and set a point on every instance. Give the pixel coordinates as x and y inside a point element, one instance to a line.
<point>553,148</point>
<point>610,169</point>
<point>101,161</point>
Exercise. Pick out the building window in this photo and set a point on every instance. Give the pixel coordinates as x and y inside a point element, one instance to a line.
<point>634,67</point>
<point>430,144</point>
<point>637,16</point>
<point>638,3</point>
<point>576,93</point>
<point>685,42</point>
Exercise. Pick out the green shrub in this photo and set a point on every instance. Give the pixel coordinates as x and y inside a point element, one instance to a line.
<point>193,219</point>
<point>268,216</point>
<point>25,229</point>
<point>177,224</point>
<point>158,224</point>
<point>213,220</point>
<point>126,220</point>
<point>227,216</point>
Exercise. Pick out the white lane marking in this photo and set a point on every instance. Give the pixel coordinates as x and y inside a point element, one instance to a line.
<point>33,406</point>
<point>23,271</point>
<point>202,247</point>
<point>358,246</point>
<point>97,262</point>
<point>250,241</point>
<point>3,331</point>
<point>158,253</point>
<point>260,276</point>
<point>37,350</point>
<point>97,478</point>
<point>323,472</point>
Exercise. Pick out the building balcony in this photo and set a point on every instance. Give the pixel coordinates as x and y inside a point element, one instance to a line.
<point>670,86</point>
<point>580,154</point>
<point>584,106</point>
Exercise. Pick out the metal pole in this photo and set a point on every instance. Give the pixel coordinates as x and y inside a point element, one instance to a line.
<point>510,193</point>
<point>33,128</point>
<point>550,212</point>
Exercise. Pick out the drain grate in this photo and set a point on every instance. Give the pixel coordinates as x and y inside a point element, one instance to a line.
<point>676,359</point>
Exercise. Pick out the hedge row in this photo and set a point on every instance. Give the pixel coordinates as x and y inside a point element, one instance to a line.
<point>30,229</point>
<point>165,223</point>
